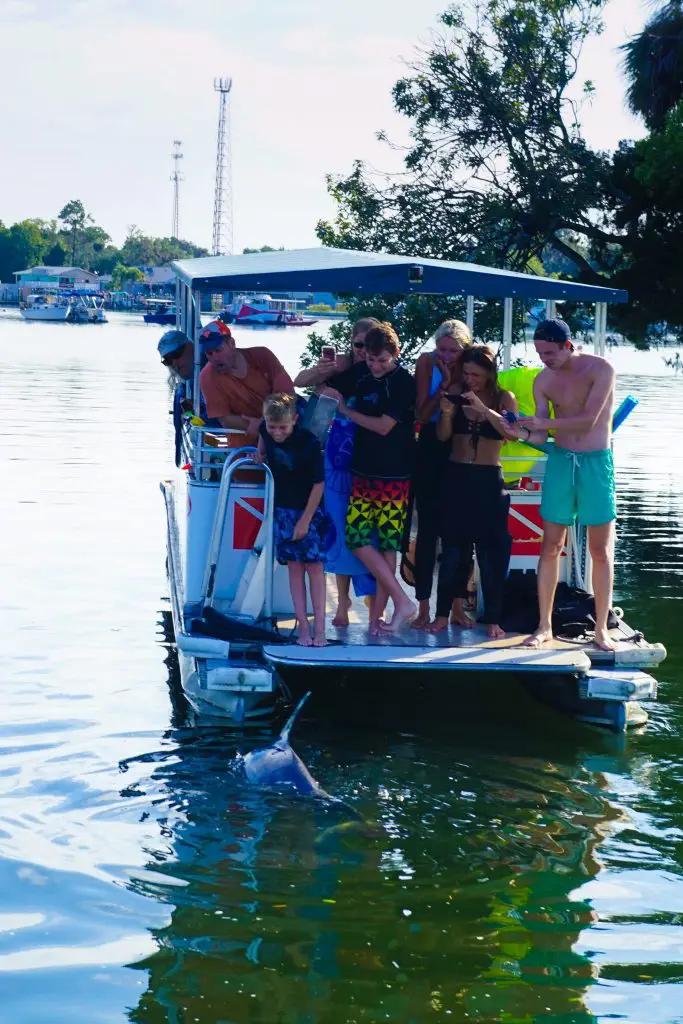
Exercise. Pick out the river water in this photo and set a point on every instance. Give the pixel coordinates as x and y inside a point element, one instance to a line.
<point>515,867</point>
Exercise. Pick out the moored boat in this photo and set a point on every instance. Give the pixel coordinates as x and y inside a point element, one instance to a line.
<point>231,606</point>
<point>159,311</point>
<point>46,306</point>
<point>266,311</point>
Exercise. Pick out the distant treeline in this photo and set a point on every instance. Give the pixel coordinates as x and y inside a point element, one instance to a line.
<point>73,239</point>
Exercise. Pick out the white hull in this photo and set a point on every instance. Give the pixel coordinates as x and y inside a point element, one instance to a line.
<point>57,314</point>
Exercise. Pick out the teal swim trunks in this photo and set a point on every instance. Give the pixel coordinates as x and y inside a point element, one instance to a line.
<point>579,485</point>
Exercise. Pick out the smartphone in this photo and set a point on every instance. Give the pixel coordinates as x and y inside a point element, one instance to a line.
<point>457,399</point>
<point>328,353</point>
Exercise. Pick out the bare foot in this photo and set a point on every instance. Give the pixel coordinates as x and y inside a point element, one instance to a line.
<point>537,639</point>
<point>341,616</point>
<point>305,641</point>
<point>422,620</point>
<point>403,611</point>
<point>494,631</point>
<point>459,616</point>
<point>439,623</point>
<point>603,641</point>
<point>320,641</point>
<point>376,626</point>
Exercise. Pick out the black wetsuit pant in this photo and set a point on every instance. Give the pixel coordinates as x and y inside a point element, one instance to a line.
<point>474,512</point>
<point>428,478</point>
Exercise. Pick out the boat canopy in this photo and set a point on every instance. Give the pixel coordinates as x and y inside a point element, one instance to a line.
<point>346,270</point>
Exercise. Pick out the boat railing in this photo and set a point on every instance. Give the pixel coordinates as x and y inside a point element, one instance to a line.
<point>205,450</point>
<point>263,546</point>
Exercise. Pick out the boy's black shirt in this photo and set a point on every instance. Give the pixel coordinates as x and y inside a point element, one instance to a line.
<point>388,457</point>
<point>296,465</point>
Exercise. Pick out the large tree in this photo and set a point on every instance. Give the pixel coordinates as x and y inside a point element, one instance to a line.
<point>75,219</point>
<point>497,169</point>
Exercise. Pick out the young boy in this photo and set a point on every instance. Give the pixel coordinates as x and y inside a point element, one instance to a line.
<point>302,529</point>
<point>381,466</point>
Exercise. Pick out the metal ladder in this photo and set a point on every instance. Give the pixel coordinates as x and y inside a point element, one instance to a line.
<point>263,546</point>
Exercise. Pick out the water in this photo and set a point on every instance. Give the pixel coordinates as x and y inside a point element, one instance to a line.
<point>514,866</point>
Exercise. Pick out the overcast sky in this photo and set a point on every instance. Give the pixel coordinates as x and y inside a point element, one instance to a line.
<point>93,93</point>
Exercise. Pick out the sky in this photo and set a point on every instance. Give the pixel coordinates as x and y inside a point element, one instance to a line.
<point>93,93</point>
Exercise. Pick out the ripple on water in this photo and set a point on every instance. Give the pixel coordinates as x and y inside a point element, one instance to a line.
<point>506,864</point>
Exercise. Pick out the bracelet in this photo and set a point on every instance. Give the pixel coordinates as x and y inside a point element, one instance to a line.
<point>528,432</point>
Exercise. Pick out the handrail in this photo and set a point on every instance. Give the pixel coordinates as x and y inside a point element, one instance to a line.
<point>209,581</point>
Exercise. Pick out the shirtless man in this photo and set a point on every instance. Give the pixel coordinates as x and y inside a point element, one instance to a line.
<point>579,477</point>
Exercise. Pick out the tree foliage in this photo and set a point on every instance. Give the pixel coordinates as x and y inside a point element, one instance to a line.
<point>74,238</point>
<point>497,169</point>
<point>498,172</point>
<point>653,62</point>
<point>123,277</point>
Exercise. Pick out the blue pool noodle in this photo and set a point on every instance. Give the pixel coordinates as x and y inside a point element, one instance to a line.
<point>624,411</point>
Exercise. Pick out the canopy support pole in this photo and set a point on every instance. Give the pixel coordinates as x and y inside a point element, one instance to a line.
<point>507,332</point>
<point>469,315</point>
<point>194,325</point>
<point>600,328</point>
<point>550,309</point>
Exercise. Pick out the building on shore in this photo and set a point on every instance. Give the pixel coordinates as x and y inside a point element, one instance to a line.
<point>52,279</point>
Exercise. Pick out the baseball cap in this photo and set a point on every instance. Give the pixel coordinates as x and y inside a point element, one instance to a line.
<point>553,330</point>
<point>213,335</point>
<point>171,341</point>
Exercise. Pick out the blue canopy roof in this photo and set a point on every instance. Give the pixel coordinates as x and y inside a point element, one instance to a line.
<point>346,271</point>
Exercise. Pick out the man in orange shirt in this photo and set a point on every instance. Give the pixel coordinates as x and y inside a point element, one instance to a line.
<point>236,381</point>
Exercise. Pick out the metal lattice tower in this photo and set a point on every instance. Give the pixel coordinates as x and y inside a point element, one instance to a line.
<point>176,178</point>
<point>222,199</point>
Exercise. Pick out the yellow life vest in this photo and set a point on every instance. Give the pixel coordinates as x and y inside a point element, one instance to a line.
<point>520,381</point>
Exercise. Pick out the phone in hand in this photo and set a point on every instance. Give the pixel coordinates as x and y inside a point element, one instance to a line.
<point>328,353</point>
<point>458,400</point>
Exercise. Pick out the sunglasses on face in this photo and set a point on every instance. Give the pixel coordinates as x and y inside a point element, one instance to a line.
<point>359,344</point>
<point>171,357</point>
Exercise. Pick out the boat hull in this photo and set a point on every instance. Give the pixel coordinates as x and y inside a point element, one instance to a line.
<point>159,318</point>
<point>215,685</point>
<point>58,315</point>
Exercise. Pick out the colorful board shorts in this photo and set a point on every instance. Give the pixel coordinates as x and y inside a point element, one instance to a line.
<point>579,485</point>
<point>377,507</point>
<point>311,548</point>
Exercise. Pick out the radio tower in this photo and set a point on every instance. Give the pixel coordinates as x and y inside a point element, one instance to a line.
<point>222,199</point>
<point>176,178</point>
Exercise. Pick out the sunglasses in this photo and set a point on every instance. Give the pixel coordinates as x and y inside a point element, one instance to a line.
<point>359,344</point>
<point>172,356</point>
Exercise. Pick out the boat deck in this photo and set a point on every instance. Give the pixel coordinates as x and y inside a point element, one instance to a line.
<point>454,647</point>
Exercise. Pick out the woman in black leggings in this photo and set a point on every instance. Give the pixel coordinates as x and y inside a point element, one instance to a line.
<point>436,373</point>
<point>475,503</point>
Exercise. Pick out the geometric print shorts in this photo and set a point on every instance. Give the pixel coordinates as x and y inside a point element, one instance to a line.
<point>377,506</point>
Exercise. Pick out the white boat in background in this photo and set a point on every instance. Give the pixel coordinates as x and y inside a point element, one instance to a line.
<point>231,606</point>
<point>46,306</point>
<point>87,307</point>
<point>267,311</point>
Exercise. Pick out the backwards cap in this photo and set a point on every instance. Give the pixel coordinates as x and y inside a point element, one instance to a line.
<point>553,330</point>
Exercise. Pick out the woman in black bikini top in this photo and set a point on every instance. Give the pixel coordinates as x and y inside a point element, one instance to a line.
<point>475,502</point>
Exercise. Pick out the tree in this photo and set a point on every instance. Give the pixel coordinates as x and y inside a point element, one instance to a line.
<point>264,248</point>
<point>497,169</point>
<point>653,62</point>
<point>55,256</point>
<point>123,276</point>
<point>21,246</point>
<point>140,250</point>
<point>75,219</point>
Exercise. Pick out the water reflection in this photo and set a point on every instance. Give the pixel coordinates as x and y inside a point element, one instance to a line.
<point>460,897</point>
